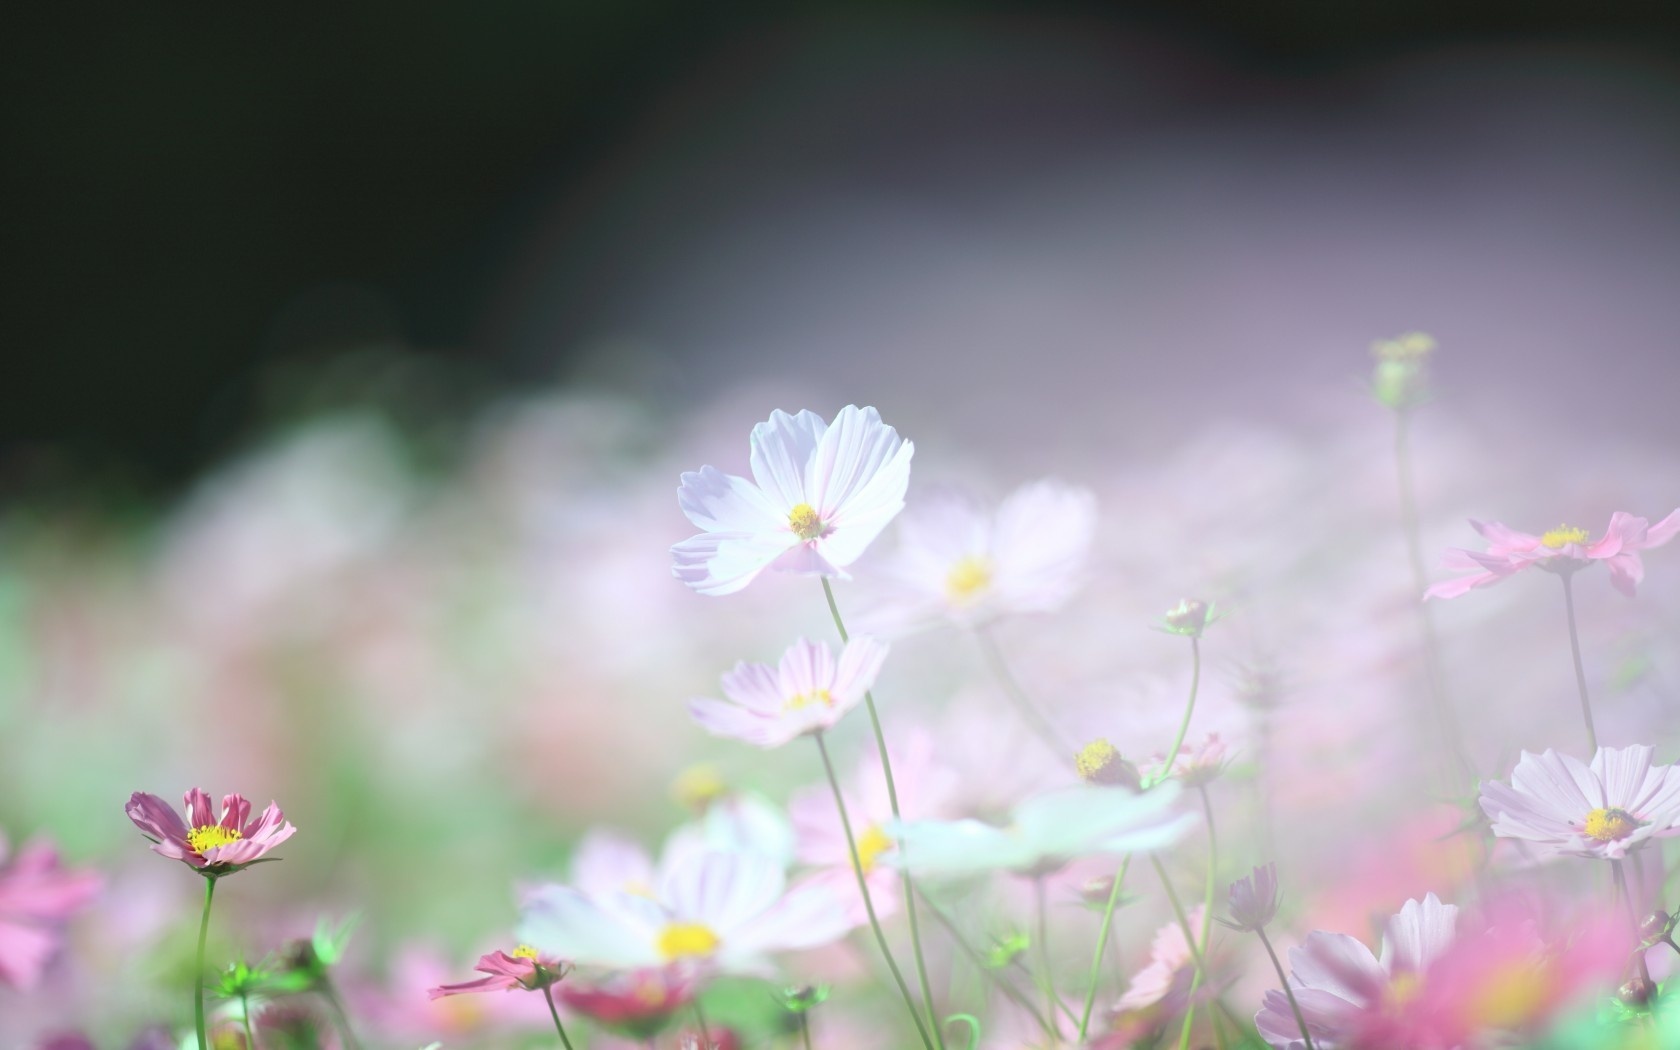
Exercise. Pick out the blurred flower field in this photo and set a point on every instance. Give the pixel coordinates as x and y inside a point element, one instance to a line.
<point>872,738</point>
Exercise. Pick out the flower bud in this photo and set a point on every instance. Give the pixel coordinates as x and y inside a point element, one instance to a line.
<point>1254,900</point>
<point>1638,992</point>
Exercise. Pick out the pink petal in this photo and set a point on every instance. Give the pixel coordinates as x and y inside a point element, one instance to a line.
<point>235,811</point>
<point>200,813</point>
<point>156,818</point>
<point>483,984</point>
<point>1626,570</point>
<point>1662,531</point>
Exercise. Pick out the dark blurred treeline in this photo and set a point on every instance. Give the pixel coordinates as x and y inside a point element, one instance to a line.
<point>180,177</point>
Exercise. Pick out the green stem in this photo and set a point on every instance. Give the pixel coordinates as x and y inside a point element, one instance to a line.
<point>1190,706</point>
<point>1575,651</point>
<point>863,888</point>
<point>903,872</point>
<point>987,972</point>
<point>1294,1006</point>
<point>1207,923</point>
<point>1446,719</point>
<point>1102,946</point>
<point>805,1031</point>
<point>1179,913</point>
<point>705,1032</point>
<point>245,1016</point>
<point>554,1012</point>
<point>340,1018</point>
<point>198,970</point>
<point>1029,712</point>
<point>1043,939</point>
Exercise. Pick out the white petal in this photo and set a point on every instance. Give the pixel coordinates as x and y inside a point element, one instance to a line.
<point>560,921</point>
<point>1418,934</point>
<point>719,502</point>
<point>721,890</point>
<point>782,448</point>
<point>719,563</point>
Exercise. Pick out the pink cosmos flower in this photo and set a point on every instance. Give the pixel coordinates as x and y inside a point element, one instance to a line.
<point>36,897</point>
<point>807,693</point>
<point>525,969</point>
<point>924,786</point>
<point>1166,978</point>
<point>820,495</point>
<point>965,563</point>
<point>1560,550</point>
<point>1438,987</point>
<point>1343,990</point>
<point>635,1002</point>
<point>1604,810</point>
<point>213,846</point>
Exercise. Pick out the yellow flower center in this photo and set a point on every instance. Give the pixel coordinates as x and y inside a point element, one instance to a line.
<point>799,701</point>
<point>524,951</point>
<point>1610,825</point>
<point>870,846</point>
<point>699,786</point>
<point>1510,995</point>
<point>209,836</point>
<point>1402,989</point>
<point>967,578</point>
<point>1095,758</point>
<point>804,522</point>
<point>1562,536</point>
<point>687,940</point>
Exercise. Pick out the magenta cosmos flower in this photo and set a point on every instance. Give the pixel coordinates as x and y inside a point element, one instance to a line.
<point>524,969</point>
<point>820,495</point>
<point>808,692</point>
<point>215,846</point>
<point>1603,810</point>
<point>37,895</point>
<point>1560,550</point>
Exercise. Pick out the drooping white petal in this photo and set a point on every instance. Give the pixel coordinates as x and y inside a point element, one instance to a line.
<point>719,563</point>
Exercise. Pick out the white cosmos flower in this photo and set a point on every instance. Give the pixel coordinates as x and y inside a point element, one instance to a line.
<point>819,495</point>
<point>1045,832</point>
<point>1605,810</point>
<point>959,561</point>
<point>723,911</point>
<point>807,693</point>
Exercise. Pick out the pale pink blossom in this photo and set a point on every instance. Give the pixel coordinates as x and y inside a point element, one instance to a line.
<point>808,692</point>
<point>925,787</point>
<point>1166,977</point>
<point>1604,810</point>
<point>820,495</point>
<point>37,896</point>
<point>213,845</point>
<point>1343,990</point>
<point>1560,550</point>
<point>965,563</point>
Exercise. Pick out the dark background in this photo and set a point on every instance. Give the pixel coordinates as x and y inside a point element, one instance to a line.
<point>177,176</point>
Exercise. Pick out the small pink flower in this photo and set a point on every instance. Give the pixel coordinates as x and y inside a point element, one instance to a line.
<point>636,1002</point>
<point>36,897</point>
<point>213,846</point>
<point>1166,978</point>
<point>1560,550</point>
<point>808,692</point>
<point>524,969</point>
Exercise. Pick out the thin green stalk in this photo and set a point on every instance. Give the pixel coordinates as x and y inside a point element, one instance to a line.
<point>1294,1006</point>
<point>1446,719</point>
<point>892,801</point>
<point>1575,651</point>
<point>705,1032</point>
<point>863,888</point>
<point>340,1017</point>
<point>1189,707</point>
<point>1207,923</point>
<point>1102,946</point>
<point>245,1018</point>
<point>554,1012</point>
<point>1179,913</point>
<point>1036,720</point>
<point>198,970</point>
<point>805,1031</point>
<point>1043,939</point>
<point>986,972</point>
